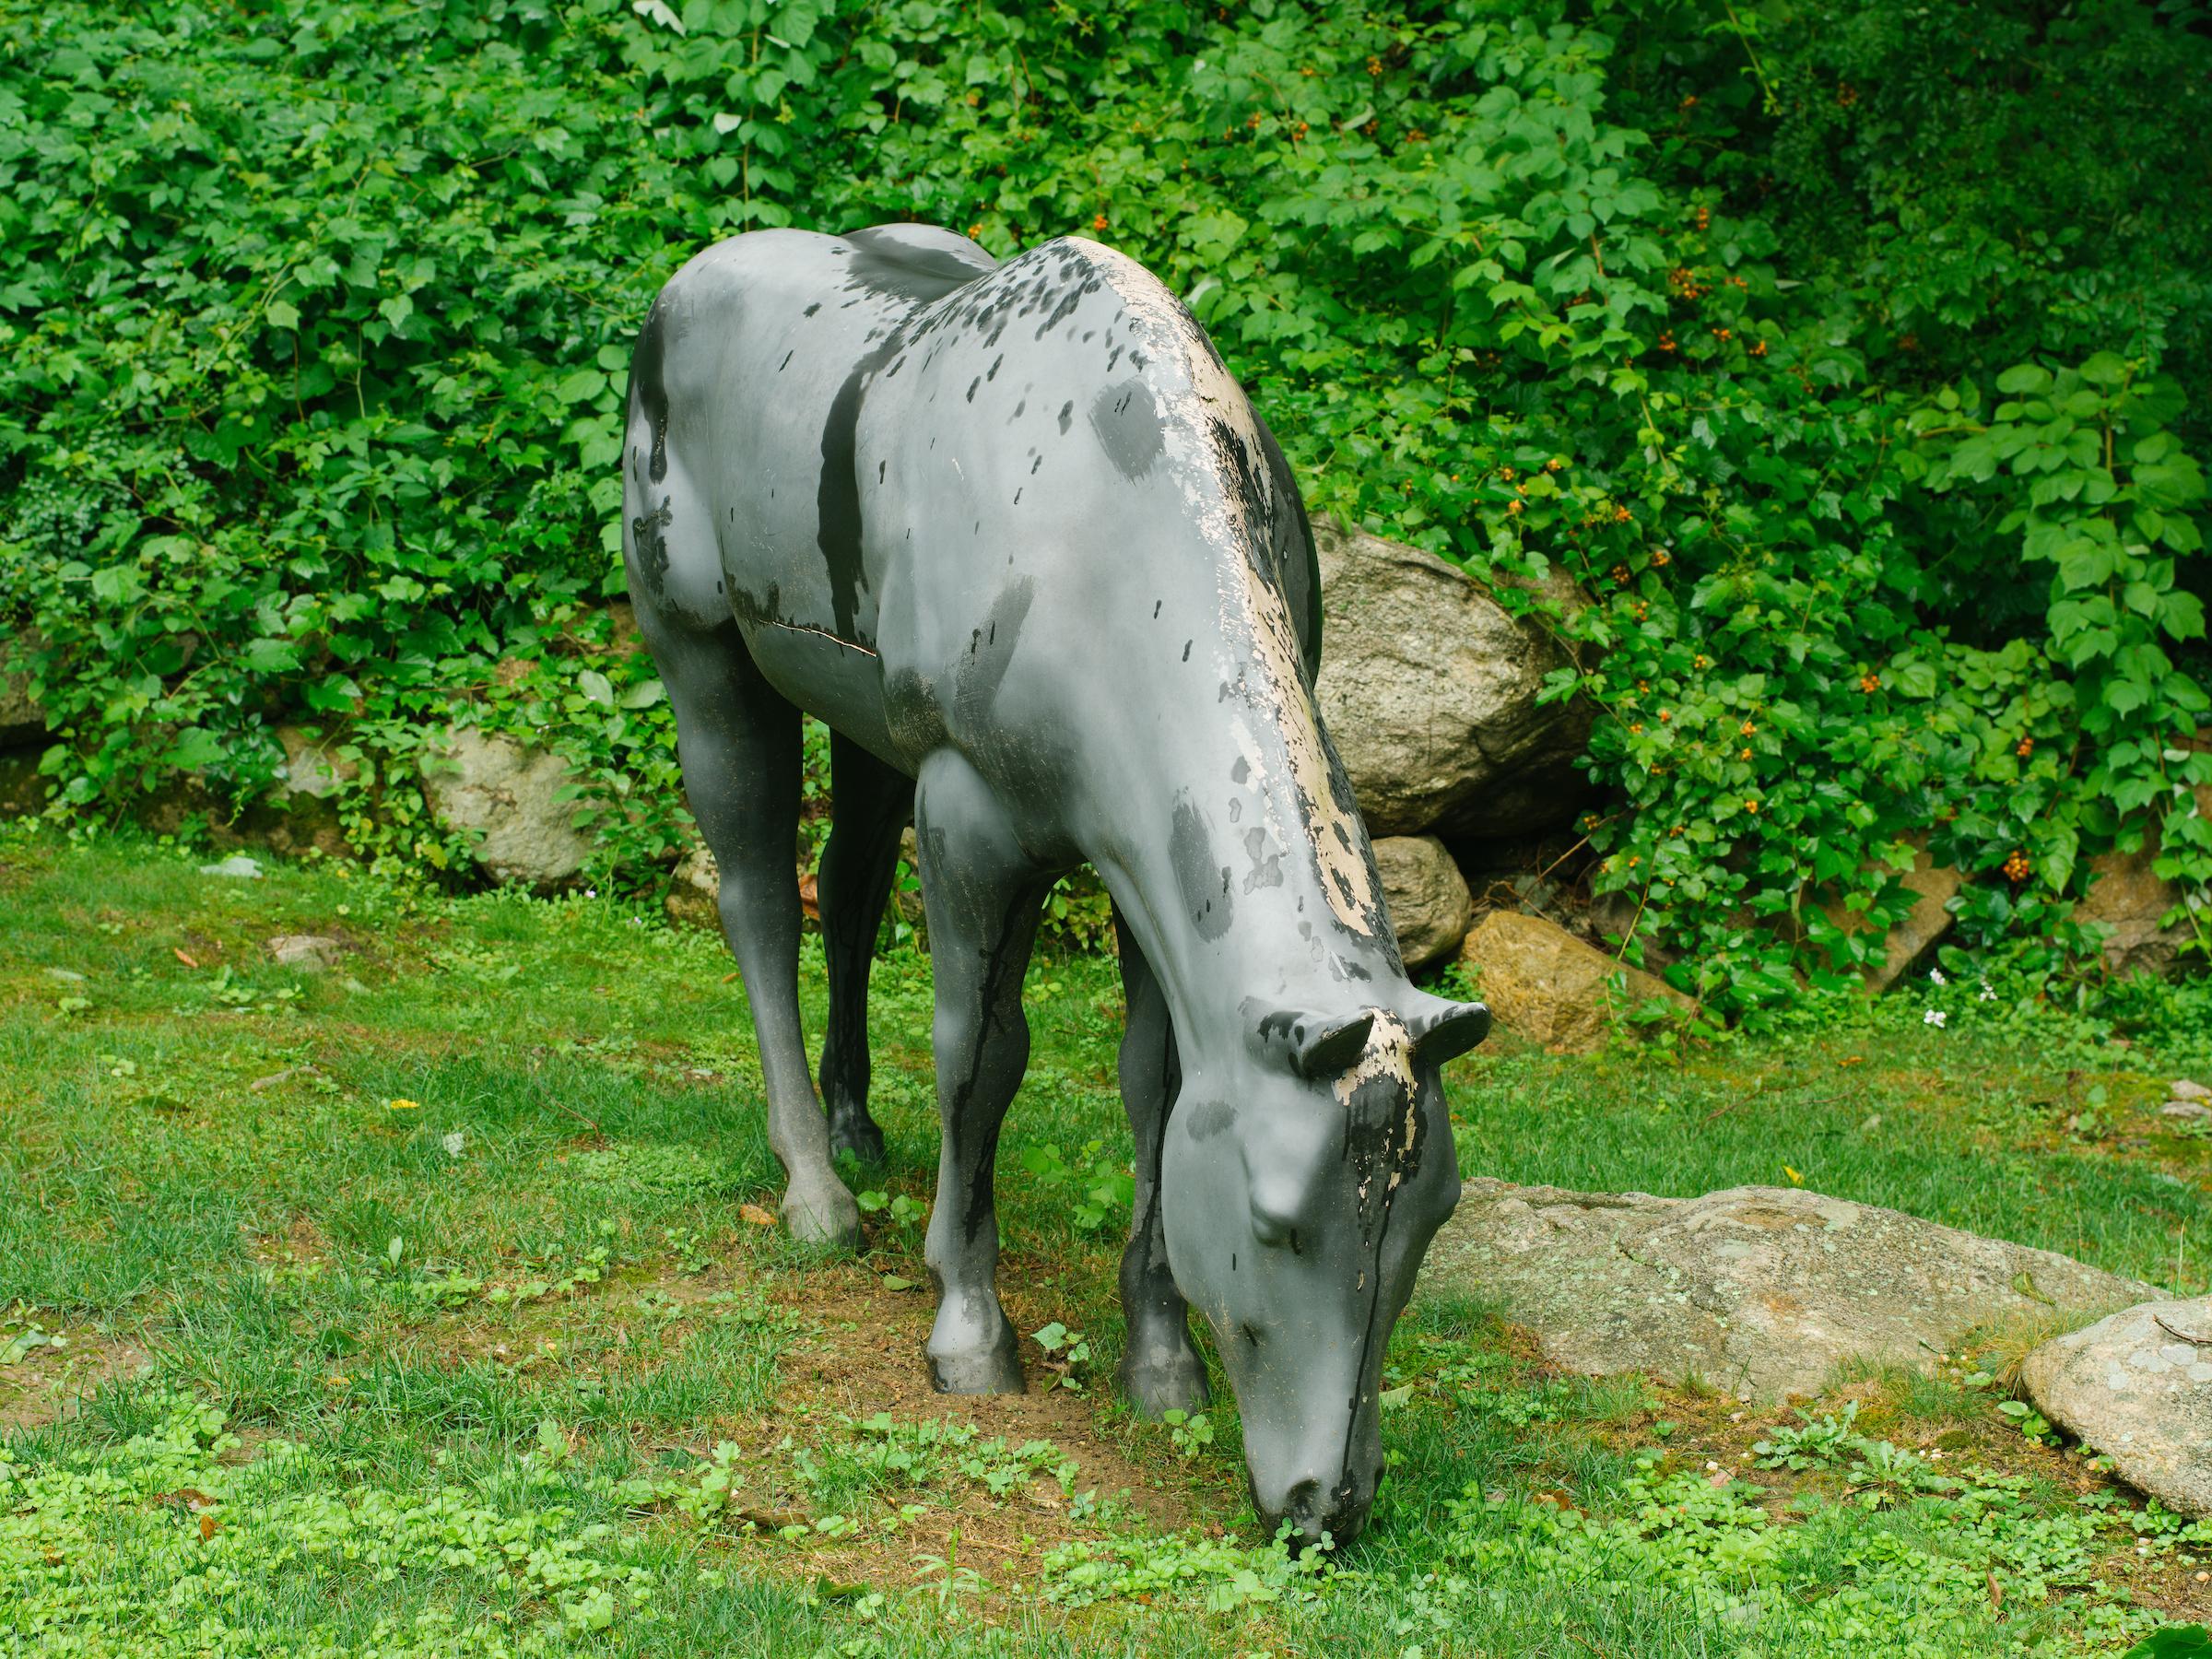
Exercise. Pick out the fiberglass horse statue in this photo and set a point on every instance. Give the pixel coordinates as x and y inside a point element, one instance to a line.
<point>1113,661</point>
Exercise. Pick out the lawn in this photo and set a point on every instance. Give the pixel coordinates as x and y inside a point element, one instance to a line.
<point>432,1304</point>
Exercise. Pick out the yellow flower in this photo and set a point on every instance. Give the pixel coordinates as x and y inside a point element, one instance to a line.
<point>403,1105</point>
<point>1795,1179</point>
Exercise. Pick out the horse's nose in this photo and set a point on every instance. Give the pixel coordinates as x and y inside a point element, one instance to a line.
<point>1313,1509</point>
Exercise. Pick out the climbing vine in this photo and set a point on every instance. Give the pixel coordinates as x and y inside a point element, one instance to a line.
<point>314,321</point>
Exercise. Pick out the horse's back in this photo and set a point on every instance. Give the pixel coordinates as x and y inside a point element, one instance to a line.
<point>736,371</point>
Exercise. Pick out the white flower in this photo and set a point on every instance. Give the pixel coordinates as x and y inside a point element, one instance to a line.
<point>1989,992</point>
<point>455,1144</point>
<point>1935,1016</point>
<point>1936,977</point>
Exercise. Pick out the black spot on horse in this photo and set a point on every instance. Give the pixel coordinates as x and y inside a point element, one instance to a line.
<point>1128,423</point>
<point>648,535</point>
<point>1196,875</point>
<point>649,391</point>
<point>837,498</point>
<point>913,262</point>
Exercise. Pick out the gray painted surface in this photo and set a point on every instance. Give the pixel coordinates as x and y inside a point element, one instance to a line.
<point>1016,536</point>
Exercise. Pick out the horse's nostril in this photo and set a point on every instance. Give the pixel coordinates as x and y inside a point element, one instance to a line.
<point>1301,1503</point>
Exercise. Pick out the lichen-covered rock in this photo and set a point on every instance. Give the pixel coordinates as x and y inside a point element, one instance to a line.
<point>2138,1386</point>
<point>516,798</point>
<point>1543,983</point>
<point>695,889</point>
<point>312,767</point>
<point>1428,898</point>
<point>1760,1291</point>
<point>2130,900</point>
<point>1429,688</point>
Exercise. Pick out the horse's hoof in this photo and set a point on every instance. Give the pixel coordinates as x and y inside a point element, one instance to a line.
<point>1159,1384</point>
<point>823,1215</point>
<point>858,1134</point>
<point>985,1368</point>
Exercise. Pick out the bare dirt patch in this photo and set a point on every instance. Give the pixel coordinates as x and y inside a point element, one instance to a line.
<point>38,1390</point>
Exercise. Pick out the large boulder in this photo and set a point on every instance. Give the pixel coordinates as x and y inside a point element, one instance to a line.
<point>1428,687</point>
<point>1428,898</point>
<point>1757,1290</point>
<point>1543,983</point>
<point>517,799</point>
<point>2138,1386</point>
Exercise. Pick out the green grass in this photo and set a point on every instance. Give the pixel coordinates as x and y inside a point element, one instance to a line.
<point>422,1306</point>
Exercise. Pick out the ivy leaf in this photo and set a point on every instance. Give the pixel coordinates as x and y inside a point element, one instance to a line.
<point>283,314</point>
<point>596,687</point>
<point>644,694</point>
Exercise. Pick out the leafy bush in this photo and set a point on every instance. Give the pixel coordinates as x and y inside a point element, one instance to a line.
<point>1807,341</point>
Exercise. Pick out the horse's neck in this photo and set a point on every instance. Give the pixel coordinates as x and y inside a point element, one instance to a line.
<point>1241,865</point>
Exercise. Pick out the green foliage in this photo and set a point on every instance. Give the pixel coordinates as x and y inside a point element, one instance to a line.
<point>1095,1191</point>
<point>1678,326</point>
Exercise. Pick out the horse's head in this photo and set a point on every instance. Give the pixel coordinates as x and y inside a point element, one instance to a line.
<point>1301,1180</point>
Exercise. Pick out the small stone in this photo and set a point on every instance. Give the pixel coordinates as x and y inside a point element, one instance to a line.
<point>1426,897</point>
<point>1545,984</point>
<point>239,866</point>
<point>2182,1088</point>
<point>2192,1110</point>
<point>310,953</point>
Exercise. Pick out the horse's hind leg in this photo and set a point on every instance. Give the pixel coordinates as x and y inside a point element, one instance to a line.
<point>739,742</point>
<point>870,802</point>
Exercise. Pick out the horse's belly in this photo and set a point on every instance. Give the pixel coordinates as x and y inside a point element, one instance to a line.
<point>838,683</point>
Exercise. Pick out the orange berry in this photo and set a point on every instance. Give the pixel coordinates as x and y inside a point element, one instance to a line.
<point>1099,223</point>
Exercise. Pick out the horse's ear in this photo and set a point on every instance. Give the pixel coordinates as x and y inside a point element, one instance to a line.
<point>1312,1045</point>
<point>1447,1030</point>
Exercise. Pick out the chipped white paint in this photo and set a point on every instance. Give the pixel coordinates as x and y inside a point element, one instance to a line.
<point>1389,1054</point>
<point>1253,612</point>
